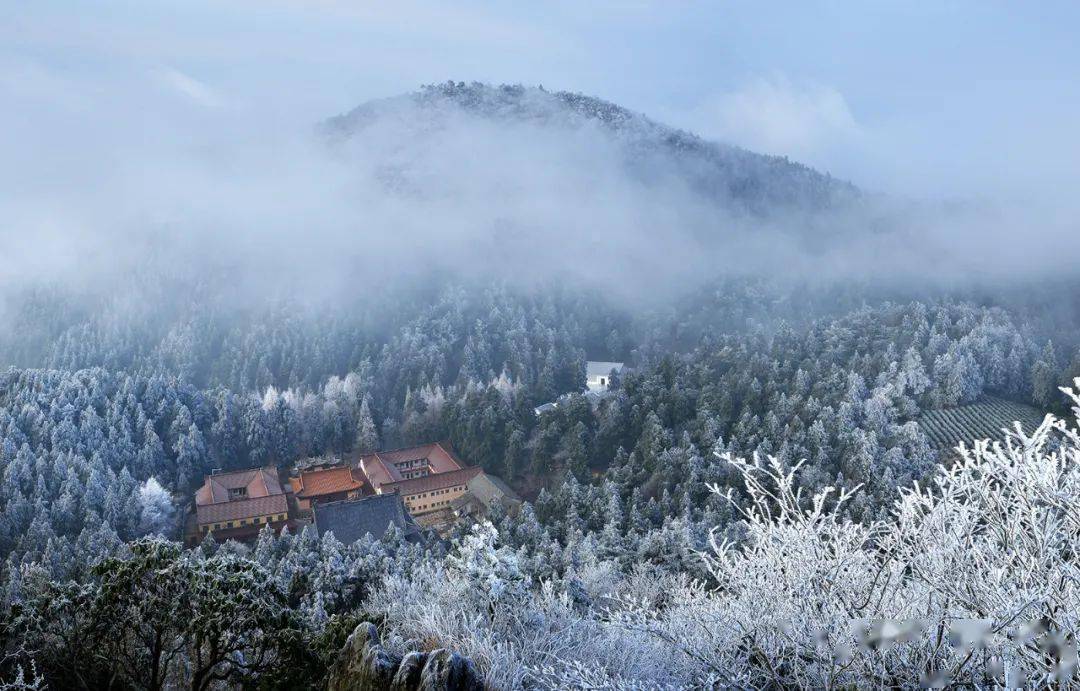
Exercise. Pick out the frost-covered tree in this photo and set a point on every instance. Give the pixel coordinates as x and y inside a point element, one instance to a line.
<point>159,617</point>
<point>367,435</point>
<point>1044,376</point>
<point>156,509</point>
<point>981,557</point>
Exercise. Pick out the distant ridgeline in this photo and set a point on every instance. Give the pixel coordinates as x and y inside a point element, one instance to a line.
<point>735,178</point>
<point>946,428</point>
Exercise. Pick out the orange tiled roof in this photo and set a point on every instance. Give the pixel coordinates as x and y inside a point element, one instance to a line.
<point>263,496</point>
<point>431,482</point>
<point>379,467</point>
<point>259,482</point>
<point>317,483</point>
<point>242,509</point>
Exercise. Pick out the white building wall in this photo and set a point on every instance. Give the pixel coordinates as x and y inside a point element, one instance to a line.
<point>597,383</point>
<point>598,375</point>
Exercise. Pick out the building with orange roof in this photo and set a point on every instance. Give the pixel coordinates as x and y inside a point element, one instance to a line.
<point>236,505</point>
<point>324,485</point>
<point>427,477</point>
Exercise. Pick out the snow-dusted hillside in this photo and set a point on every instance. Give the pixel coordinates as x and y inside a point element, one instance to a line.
<point>946,428</point>
<point>733,177</point>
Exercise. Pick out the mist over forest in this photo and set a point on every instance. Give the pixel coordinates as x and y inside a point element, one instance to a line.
<point>834,442</point>
<point>467,184</point>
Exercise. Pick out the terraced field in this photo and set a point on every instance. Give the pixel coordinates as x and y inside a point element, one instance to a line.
<point>983,419</point>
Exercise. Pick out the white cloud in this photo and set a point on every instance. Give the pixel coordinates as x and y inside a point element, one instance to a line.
<point>779,117</point>
<point>189,87</point>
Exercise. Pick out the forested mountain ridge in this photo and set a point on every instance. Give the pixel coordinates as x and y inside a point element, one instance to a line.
<point>732,177</point>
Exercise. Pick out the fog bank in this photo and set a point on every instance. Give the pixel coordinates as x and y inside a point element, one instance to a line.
<point>415,187</point>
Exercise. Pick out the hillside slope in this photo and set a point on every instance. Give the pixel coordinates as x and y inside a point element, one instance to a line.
<point>737,179</point>
<point>985,419</point>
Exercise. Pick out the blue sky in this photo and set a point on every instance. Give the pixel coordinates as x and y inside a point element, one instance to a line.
<point>954,99</point>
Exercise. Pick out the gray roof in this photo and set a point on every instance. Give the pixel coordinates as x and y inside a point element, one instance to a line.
<point>505,488</point>
<point>351,519</point>
<point>601,369</point>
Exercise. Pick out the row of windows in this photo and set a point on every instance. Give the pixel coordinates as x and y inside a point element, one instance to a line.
<point>435,493</point>
<point>245,521</point>
<point>409,464</point>
<point>413,502</point>
<point>432,505</point>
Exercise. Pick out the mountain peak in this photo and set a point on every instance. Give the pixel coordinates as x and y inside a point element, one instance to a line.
<point>737,179</point>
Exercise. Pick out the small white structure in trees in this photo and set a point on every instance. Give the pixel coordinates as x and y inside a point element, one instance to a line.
<point>598,374</point>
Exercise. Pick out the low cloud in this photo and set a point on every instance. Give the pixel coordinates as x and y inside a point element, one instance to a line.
<point>130,182</point>
<point>189,87</point>
<point>778,117</point>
